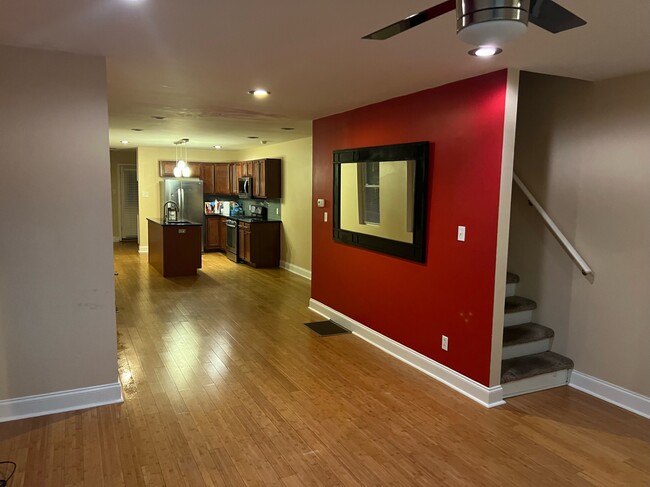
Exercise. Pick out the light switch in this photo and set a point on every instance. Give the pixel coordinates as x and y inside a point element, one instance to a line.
<point>145,194</point>
<point>461,233</point>
<point>320,202</point>
<point>325,216</point>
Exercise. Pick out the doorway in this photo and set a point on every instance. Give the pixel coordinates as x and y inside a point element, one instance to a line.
<point>128,202</point>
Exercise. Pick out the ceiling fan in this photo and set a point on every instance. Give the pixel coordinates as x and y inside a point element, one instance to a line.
<point>490,22</point>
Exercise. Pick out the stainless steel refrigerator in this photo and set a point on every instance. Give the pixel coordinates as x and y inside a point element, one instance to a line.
<point>187,194</point>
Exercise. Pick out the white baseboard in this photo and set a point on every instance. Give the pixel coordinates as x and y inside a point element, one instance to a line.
<point>116,239</point>
<point>59,402</point>
<point>143,249</point>
<point>611,393</point>
<point>302,272</point>
<point>486,396</point>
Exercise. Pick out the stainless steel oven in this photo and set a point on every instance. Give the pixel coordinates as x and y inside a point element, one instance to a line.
<point>231,239</point>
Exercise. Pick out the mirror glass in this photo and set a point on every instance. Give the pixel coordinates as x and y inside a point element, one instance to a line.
<point>380,198</point>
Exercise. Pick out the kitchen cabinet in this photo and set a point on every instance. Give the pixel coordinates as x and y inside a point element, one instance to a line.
<point>167,169</point>
<point>259,243</point>
<point>267,178</point>
<point>215,232</point>
<point>234,183</point>
<point>212,233</point>
<point>221,178</point>
<point>208,177</point>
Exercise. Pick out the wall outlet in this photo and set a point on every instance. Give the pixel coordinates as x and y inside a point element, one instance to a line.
<point>445,343</point>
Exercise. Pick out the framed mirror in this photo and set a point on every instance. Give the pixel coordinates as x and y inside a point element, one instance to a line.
<point>380,198</point>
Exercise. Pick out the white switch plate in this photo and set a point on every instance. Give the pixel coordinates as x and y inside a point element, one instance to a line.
<point>277,211</point>
<point>445,343</point>
<point>461,233</point>
<point>320,202</point>
<point>325,216</point>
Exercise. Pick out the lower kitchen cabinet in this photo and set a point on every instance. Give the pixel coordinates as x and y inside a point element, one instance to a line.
<point>259,243</point>
<point>216,234</point>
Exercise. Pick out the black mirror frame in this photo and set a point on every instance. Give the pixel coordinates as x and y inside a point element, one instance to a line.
<point>415,151</point>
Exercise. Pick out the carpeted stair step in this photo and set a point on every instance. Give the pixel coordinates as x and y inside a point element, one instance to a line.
<point>511,283</point>
<point>515,304</point>
<point>526,339</point>
<point>519,368</point>
<point>525,333</point>
<point>518,310</point>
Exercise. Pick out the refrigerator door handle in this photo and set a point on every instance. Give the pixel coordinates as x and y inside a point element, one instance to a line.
<point>182,200</point>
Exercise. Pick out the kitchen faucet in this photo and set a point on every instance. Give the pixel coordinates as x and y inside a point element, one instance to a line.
<point>171,214</point>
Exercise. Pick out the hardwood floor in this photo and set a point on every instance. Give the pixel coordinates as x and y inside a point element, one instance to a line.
<point>223,385</point>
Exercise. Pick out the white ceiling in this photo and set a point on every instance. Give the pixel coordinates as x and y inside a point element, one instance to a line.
<point>193,61</point>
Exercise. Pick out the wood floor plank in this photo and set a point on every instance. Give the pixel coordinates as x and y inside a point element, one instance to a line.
<point>225,386</point>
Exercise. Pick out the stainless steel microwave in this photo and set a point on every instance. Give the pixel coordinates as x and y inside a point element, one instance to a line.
<point>246,187</point>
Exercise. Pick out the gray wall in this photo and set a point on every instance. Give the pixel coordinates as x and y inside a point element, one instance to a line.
<point>583,149</point>
<point>57,303</point>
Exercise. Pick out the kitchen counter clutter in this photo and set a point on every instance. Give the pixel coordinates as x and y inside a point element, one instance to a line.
<point>174,247</point>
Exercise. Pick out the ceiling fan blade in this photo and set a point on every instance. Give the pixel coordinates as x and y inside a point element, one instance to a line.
<point>412,21</point>
<point>553,17</point>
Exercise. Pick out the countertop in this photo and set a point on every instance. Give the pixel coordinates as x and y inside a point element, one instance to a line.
<point>184,223</point>
<point>247,219</point>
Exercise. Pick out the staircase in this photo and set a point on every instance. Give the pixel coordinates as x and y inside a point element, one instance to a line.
<point>527,363</point>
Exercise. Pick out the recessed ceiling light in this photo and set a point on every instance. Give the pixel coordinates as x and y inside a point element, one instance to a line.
<point>259,93</point>
<point>287,128</point>
<point>485,51</point>
<point>137,130</point>
<point>124,141</point>
<point>217,146</point>
<point>253,137</point>
<point>158,117</point>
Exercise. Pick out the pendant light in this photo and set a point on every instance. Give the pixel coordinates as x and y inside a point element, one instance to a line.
<point>181,169</point>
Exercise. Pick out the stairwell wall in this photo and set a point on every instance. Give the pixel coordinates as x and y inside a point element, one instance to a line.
<point>583,150</point>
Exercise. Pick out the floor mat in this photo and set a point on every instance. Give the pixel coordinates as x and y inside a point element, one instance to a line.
<point>327,328</point>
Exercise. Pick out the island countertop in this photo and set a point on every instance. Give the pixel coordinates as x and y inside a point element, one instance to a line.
<point>181,223</point>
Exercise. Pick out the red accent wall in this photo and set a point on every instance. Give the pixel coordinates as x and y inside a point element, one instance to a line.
<point>452,293</point>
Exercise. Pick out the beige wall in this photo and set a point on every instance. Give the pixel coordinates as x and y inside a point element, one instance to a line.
<point>583,149</point>
<point>57,303</point>
<point>119,158</point>
<point>296,197</point>
<point>149,179</point>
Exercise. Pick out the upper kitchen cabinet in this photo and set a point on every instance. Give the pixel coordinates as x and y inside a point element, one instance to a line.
<point>208,177</point>
<point>167,169</point>
<point>267,178</point>
<point>222,179</point>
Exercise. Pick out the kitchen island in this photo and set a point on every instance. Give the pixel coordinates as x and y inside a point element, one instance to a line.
<point>174,247</point>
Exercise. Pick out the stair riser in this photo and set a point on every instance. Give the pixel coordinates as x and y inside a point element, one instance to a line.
<point>511,289</point>
<point>518,318</point>
<point>529,348</point>
<point>537,383</point>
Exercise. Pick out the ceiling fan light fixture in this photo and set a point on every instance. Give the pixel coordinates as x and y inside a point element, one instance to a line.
<point>485,51</point>
<point>495,32</point>
<point>491,22</point>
